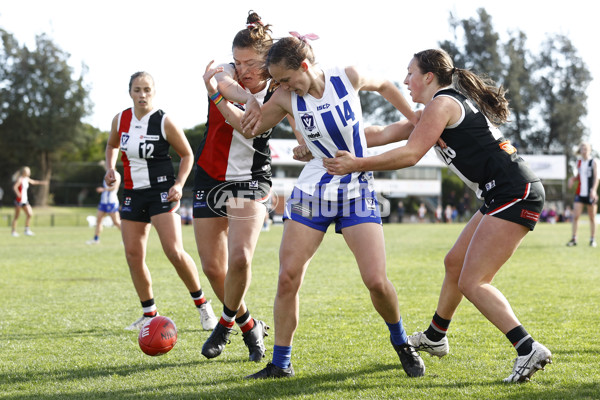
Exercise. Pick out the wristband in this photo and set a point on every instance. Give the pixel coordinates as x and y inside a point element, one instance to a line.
<point>217,98</point>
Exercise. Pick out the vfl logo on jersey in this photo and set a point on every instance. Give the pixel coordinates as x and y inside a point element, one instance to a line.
<point>310,126</point>
<point>163,197</point>
<point>124,141</point>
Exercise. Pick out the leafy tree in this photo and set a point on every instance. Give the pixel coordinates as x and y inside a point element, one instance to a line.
<point>479,50</point>
<point>546,91</point>
<point>563,80</point>
<point>42,107</point>
<point>521,91</point>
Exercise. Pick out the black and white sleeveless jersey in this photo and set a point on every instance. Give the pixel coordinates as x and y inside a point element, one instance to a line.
<point>585,177</point>
<point>478,153</point>
<point>145,151</point>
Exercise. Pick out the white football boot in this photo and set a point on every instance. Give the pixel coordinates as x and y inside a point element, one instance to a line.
<point>526,366</point>
<point>420,342</point>
<point>207,316</point>
<point>137,325</point>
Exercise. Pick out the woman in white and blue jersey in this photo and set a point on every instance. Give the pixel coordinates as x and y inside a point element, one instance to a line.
<point>326,107</point>
<point>109,205</point>
<point>461,114</point>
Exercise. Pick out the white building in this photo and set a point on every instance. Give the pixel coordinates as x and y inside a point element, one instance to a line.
<point>423,180</point>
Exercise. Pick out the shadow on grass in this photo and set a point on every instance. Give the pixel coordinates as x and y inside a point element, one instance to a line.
<point>336,385</point>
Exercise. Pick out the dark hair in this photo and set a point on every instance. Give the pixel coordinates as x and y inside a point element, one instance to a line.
<point>481,89</point>
<point>256,36</point>
<point>290,51</point>
<point>138,75</point>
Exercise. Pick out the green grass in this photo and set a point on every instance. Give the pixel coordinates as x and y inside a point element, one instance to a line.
<point>49,216</point>
<point>64,306</point>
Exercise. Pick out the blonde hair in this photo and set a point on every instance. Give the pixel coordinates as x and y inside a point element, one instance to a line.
<point>20,172</point>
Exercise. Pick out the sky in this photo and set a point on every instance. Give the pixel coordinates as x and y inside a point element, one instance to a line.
<point>174,40</point>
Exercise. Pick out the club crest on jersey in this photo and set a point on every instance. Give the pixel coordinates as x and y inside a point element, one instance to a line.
<point>124,141</point>
<point>310,127</point>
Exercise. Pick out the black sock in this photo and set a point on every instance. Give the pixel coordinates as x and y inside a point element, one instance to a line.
<point>520,339</point>
<point>149,308</point>
<point>437,329</point>
<point>244,318</point>
<point>230,313</point>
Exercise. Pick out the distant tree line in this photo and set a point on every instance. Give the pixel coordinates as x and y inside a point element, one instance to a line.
<point>43,102</point>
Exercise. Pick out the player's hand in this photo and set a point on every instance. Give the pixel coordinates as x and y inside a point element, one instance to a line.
<point>441,143</point>
<point>175,192</point>
<point>342,164</point>
<point>209,78</point>
<point>252,116</point>
<point>109,177</point>
<point>302,153</point>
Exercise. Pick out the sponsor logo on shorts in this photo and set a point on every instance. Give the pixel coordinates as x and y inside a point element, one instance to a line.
<point>301,210</point>
<point>127,201</point>
<point>371,204</point>
<point>530,215</point>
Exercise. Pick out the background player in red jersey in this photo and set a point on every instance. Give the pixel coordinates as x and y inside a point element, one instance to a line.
<point>587,192</point>
<point>22,179</point>
<point>152,193</point>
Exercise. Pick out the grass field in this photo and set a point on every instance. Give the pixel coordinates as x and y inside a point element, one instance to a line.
<point>64,306</point>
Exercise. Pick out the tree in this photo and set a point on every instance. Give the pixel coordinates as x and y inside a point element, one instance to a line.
<point>42,107</point>
<point>546,91</point>
<point>563,80</point>
<point>521,91</point>
<point>479,51</point>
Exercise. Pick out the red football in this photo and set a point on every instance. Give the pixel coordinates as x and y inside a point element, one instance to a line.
<point>157,336</point>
